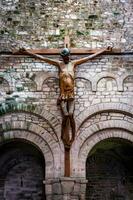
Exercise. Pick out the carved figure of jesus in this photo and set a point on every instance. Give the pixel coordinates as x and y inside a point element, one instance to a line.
<point>66,80</point>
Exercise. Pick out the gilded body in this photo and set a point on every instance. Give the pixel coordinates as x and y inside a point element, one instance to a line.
<point>66,77</point>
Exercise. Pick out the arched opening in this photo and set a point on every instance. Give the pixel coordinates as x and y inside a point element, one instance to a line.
<point>22,171</point>
<point>109,171</point>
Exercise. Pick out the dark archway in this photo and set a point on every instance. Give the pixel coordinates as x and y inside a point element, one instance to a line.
<point>109,171</point>
<point>22,171</point>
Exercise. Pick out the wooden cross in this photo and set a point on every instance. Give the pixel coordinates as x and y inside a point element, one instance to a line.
<point>73,51</point>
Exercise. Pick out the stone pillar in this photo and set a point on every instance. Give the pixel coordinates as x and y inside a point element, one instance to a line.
<point>65,188</point>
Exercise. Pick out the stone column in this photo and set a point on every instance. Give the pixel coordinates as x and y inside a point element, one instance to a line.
<point>65,188</point>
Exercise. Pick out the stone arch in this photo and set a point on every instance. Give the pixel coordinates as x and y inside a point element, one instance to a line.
<point>52,163</point>
<point>35,140</point>
<point>109,163</point>
<point>4,141</point>
<point>102,135</point>
<point>26,84</point>
<point>125,75</point>
<point>25,122</point>
<point>102,125</point>
<point>128,84</point>
<point>84,79</point>
<point>121,81</point>
<point>37,111</point>
<point>85,76</point>
<point>22,165</point>
<point>90,135</point>
<point>107,84</point>
<point>41,77</point>
<point>102,75</point>
<point>36,130</point>
<point>103,107</point>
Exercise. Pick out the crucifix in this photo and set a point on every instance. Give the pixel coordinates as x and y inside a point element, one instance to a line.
<point>66,82</point>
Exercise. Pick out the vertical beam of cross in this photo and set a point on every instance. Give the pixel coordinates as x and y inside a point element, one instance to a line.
<point>67,162</point>
<point>67,149</point>
<point>67,41</point>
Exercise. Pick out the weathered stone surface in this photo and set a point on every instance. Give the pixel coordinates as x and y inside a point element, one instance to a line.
<point>90,23</point>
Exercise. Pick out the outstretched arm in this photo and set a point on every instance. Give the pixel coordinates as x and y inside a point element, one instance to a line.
<point>47,60</point>
<point>85,59</point>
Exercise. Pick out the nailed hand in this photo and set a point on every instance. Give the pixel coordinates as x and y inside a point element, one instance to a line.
<point>109,48</point>
<point>22,50</point>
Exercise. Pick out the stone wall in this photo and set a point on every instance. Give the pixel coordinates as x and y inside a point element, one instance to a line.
<point>43,24</point>
<point>103,109</point>
<point>106,79</point>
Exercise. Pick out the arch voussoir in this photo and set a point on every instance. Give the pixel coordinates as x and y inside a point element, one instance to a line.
<point>93,134</point>
<point>100,108</point>
<point>42,137</point>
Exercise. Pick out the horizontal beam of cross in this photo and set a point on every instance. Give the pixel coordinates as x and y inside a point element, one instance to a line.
<point>76,51</point>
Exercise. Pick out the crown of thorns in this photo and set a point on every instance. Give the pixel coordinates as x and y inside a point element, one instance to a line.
<point>65,52</point>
